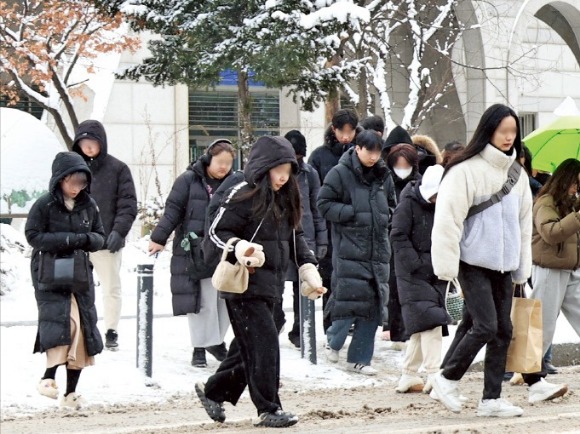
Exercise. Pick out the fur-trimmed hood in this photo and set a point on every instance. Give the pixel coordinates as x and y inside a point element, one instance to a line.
<point>429,144</point>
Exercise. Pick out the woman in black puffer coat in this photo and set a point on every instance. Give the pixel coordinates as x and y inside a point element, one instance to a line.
<point>60,221</point>
<point>421,293</point>
<point>354,198</point>
<point>403,161</point>
<point>185,213</point>
<point>263,212</point>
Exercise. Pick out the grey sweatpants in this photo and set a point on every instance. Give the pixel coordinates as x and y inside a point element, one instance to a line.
<point>558,290</point>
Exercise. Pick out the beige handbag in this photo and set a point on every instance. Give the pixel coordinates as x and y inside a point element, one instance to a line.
<point>232,278</point>
<point>229,277</point>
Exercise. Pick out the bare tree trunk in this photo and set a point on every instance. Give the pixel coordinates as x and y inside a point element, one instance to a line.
<point>332,103</point>
<point>245,114</point>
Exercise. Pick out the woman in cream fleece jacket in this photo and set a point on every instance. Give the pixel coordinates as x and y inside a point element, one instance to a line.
<point>487,252</point>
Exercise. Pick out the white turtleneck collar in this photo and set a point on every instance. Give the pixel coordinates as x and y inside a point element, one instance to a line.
<point>497,158</point>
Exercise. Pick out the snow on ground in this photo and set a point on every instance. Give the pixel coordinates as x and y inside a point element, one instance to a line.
<point>27,145</point>
<point>116,380</point>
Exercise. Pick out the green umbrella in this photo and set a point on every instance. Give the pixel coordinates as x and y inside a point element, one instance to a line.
<point>554,143</point>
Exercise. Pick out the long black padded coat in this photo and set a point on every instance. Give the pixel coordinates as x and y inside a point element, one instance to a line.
<point>51,227</point>
<point>185,212</point>
<point>357,206</point>
<point>112,187</point>
<point>235,218</point>
<point>421,293</point>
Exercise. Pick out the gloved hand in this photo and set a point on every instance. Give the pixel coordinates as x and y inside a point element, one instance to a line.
<point>311,282</point>
<point>79,241</point>
<point>114,242</point>
<point>321,251</point>
<point>250,255</point>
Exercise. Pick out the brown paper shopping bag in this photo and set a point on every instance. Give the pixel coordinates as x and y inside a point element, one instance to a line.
<point>525,350</point>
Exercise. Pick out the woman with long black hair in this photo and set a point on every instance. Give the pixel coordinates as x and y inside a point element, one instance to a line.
<point>264,213</point>
<point>487,250</point>
<point>556,263</point>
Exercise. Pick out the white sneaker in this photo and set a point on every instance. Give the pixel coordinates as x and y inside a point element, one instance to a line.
<point>48,388</point>
<point>362,369</point>
<point>331,355</point>
<point>544,391</point>
<point>498,408</point>
<point>433,395</point>
<point>73,400</point>
<point>447,392</point>
<point>409,383</point>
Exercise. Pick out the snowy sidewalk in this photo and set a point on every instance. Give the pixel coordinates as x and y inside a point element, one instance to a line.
<point>115,379</point>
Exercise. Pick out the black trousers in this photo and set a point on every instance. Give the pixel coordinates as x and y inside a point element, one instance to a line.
<point>253,358</point>
<point>488,302</point>
<point>395,322</point>
<point>295,331</point>
<point>325,270</point>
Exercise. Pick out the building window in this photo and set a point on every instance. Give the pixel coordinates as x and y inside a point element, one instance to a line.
<point>215,114</point>
<point>527,123</point>
<point>25,103</point>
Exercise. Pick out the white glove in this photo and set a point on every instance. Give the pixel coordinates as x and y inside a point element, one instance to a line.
<point>250,254</point>
<point>311,282</point>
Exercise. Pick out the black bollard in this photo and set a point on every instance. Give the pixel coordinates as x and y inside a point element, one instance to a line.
<point>307,329</point>
<point>145,318</point>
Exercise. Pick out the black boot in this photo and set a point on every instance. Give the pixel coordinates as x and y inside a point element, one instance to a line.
<point>198,359</point>
<point>218,351</point>
<point>111,340</point>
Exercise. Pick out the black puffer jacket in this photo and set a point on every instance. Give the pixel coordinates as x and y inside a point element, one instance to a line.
<point>51,227</point>
<point>313,225</point>
<point>235,219</point>
<point>112,186</point>
<point>327,156</point>
<point>421,294</point>
<point>185,212</point>
<point>357,206</point>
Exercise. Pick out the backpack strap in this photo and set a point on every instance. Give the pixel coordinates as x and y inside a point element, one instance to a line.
<point>513,176</point>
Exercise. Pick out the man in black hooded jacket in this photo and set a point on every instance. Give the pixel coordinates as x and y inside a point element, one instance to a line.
<point>114,191</point>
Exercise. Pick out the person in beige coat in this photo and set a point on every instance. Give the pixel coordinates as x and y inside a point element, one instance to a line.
<point>556,259</point>
<point>487,252</point>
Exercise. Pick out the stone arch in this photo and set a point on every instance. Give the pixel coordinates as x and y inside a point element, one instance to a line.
<point>564,19</point>
<point>473,79</point>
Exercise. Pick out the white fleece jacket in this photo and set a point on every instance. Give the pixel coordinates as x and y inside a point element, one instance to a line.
<point>499,238</point>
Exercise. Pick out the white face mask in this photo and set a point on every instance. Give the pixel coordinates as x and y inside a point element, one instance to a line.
<point>403,173</point>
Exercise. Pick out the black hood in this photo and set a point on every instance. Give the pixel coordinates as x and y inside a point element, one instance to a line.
<point>397,136</point>
<point>267,153</point>
<point>91,129</point>
<point>64,164</point>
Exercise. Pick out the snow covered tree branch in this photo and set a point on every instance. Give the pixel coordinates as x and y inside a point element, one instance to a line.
<point>42,43</point>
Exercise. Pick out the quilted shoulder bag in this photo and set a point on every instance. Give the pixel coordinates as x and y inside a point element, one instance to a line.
<point>228,277</point>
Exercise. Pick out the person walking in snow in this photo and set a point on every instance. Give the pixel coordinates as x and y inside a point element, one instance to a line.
<point>185,213</point>
<point>114,191</point>
<point>338,138</point>
<point>264,213</point>
<point>60,221</point>
<point>403,162</point>
<point>354,199</point>
<point>421,293</point>
<point>556,263</point>
<point>487,250</point>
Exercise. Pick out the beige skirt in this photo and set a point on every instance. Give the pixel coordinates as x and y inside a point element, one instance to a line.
<point>74,355</point>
